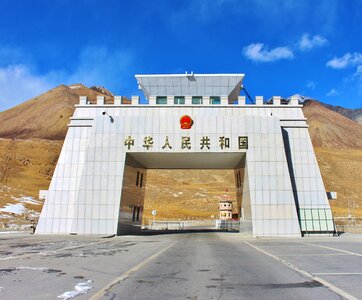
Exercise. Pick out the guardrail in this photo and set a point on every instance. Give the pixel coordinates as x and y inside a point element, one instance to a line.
<point>229,225</point>
<point>166,225</point>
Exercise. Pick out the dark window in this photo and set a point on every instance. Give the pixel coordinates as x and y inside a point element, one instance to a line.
<point>138,178</point>
<point>215,100</point>
<point>196,100</point>
<point>179,100</point>
<point>141,180</point>
<point>134,213</point>
<point>161,100</point>
<point>138,213</point>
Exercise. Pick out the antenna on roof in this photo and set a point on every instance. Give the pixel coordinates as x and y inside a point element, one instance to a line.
<point>247,94</point>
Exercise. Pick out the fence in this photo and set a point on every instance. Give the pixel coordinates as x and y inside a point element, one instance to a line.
<point>228,225</point>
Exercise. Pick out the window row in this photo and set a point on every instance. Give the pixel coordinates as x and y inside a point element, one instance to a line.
<point>194,100</point>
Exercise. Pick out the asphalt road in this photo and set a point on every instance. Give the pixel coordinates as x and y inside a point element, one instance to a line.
<point>205,265</point>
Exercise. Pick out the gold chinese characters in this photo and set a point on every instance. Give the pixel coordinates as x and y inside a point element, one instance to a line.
<point>185,143</point>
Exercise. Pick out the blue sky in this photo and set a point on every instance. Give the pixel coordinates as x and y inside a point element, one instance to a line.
<point>313,48</point>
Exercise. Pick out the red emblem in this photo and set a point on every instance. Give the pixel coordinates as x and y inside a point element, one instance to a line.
<point>186,122</point>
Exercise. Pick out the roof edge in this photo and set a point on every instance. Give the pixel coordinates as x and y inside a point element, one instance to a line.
<point>187,75</point>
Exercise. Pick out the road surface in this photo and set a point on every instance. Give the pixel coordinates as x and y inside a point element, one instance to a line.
<point>200,265</point>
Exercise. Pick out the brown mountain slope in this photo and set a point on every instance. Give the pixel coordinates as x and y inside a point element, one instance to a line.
<point>341,172</point>
<point>26,166</point>
<point>45,116</point>
<point>353,114</point>
<point>329,129</point>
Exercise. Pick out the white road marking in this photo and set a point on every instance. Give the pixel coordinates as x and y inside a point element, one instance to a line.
<point>325,274</point>
<point>335,249</point>
<point>317,254</point>
<point>101,293</point>
<point>306,274</point>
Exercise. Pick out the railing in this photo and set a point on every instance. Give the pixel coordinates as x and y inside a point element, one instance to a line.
<point>166,225</point>
<point>228,225</point>
<point>348,224</point>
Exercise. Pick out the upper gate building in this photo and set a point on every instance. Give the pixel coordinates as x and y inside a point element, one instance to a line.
<point>191,121</point>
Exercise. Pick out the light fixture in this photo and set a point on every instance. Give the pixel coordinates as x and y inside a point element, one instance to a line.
<point>110,117</point>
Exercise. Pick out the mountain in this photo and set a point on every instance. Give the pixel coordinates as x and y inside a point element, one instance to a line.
<point>46,116</point>
<point>353,114</point>
<point>300,98</point>
<point>330,129</point>
<point>26,166</point>
<point>337,143</point>
<point>102,90</point>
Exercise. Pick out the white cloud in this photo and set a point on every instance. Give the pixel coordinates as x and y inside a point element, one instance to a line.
<point>18,83</point>
<point>332,92</point>
<point>358,73</point>
<point>307,43</point>
<point>357,76</point>
<point>347,60</point>
<point>96,66</point>
<point>311,85</point>
<point>258,53</point>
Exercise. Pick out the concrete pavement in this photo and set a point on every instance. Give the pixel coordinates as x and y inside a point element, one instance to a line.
<point>199,265</point>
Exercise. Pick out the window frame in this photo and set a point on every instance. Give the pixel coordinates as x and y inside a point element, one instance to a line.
<point>196,98</point>
<point>161,100</point>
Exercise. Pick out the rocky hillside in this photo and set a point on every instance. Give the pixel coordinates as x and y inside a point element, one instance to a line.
<point>26,166</point>
<point>188,194</point>
<point>47,116</point>
<point>329,129</point>
<point>353,114</point>
<point>341,172</point>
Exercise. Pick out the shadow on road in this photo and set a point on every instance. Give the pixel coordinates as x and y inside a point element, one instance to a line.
<point>135,230</point>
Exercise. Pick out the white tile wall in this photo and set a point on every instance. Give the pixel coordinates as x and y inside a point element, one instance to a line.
<point>86,187</point>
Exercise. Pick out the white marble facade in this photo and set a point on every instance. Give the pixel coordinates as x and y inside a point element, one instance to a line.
<point>283,192</point>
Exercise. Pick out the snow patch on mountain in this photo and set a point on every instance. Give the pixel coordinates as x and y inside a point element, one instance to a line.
<point>17,208</point>
<point>27,200</point>
<point>300,98</point>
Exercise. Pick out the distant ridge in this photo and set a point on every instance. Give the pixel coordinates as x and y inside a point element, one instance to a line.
<point>330,129</point>
<point>102,90</point>
<point>353,114</point>
<point>301,98</point>
<point>47,115</point>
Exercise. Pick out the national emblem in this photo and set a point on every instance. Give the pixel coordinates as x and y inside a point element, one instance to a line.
<point>186,122</point>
